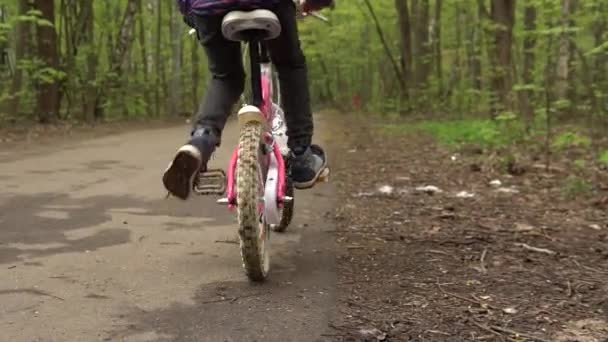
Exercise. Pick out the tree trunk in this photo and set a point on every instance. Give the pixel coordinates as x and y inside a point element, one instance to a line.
<point>475,51</point>
<point>526,96</point>
<point>176,64</point>
<point>387,49</point>
<point>437,45</point>
<point>48,89</point>
<point>158,60</point>
<point>144,60</point>
<point>90,95</point>
<point>196,74</point>
<point>126,36</point>
<point>329,94</point>
<point>599,35</point>
<point>563,61</point>
<point>120,53</point>
<point>503,14</point>
<point>405,35</point>
<point>423,49</point>
<point>21,48</point>
<point>3,44</point>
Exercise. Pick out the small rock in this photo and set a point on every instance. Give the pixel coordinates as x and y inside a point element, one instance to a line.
<point>595,227</point>
<point>364,194</point>
<point>429,189</point>
<point>465,194</point>
<point>510,311</point>
<point>523,227</point>
<point>496,183</point>
<point>368,334</point>
<point>386,189</point>
<point>507,190</point>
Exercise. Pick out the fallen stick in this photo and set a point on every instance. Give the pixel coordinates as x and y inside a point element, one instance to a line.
<point>474,301</point>
<point>438,332</point>
<point>229,299</point>
<point>487,329</point>
<point>231,242</point>
<point>535,249</point>
<point>482,261</point>
<point>516,333</point>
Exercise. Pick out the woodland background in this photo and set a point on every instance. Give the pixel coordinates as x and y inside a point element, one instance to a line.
<point>499,71</point>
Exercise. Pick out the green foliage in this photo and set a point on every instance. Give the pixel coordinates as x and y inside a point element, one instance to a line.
<point>604,158</point>
<point>575,186</point>
<point>600,49</point>
<point>580,164</point>
<point>346,61</point>
<point>463,132</point>
<point>571,140</point>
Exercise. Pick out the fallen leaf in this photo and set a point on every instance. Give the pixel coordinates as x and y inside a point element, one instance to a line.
<point>595,227</point>
<point>523,227</point>
<point>465,194</point>
<point>496,183</point>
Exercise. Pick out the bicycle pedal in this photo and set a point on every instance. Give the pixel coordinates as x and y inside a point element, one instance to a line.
<point>324,176</point>
<point>211,182</point>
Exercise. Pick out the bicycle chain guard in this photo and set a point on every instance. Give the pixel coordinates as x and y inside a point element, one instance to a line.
<point>211,182</point>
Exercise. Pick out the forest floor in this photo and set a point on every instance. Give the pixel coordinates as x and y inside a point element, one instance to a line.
<point>33,132</point>
<point>433,243</point>
<point>483,253</point>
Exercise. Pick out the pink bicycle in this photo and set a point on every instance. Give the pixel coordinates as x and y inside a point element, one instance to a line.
<point>258,180</point>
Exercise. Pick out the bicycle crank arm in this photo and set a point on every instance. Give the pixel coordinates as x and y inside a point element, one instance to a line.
<point>212,182</point>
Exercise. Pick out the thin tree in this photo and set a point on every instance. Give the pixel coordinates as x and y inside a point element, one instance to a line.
<point>48,88</point>
<point>405,36</point>
<point>176,63</point>
<point>529,57</point>
<point>503,14</point>
<point>22,38</point>
<point>389,54</point>
<point>437,44</point>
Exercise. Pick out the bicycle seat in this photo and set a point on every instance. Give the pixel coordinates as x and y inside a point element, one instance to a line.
<point>241,25</point>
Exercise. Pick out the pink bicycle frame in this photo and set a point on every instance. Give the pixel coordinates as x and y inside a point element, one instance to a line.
<point>267,111</point>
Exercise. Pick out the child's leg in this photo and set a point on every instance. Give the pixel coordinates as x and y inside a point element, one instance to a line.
<point>286,53</point>
<point>228,76</point>
<point>226,85</point>
<point>290,62</point>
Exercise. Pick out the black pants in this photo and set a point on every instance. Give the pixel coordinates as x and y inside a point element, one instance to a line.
<point>228,76</point>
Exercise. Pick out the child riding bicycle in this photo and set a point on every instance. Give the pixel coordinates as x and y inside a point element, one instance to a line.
<point>228,83</point>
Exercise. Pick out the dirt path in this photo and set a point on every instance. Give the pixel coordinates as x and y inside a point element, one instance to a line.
<point>464,258</point>
<point>90,250</point>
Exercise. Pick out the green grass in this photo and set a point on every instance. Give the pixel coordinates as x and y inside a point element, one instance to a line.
<point>604,158</point>
<point>463,132</point>
<point>568,140</point>
<point>575,186</point>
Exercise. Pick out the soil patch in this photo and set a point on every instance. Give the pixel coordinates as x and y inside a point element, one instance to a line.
<point>433,248</point>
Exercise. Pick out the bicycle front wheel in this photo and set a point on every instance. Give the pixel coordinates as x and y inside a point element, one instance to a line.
<point>253,230</point>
